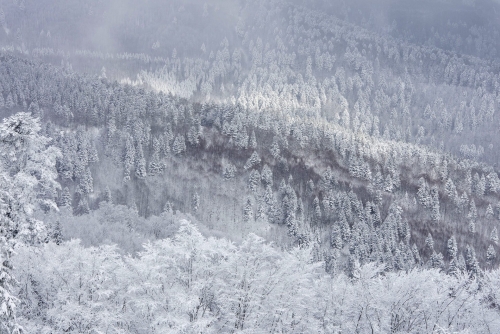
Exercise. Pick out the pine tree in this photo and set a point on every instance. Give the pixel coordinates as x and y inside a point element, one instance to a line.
<point>451,247</point>
<point>461,263</point>
<point>241,139</point>
<point>336,238</point>
<point>472,227</point>
<point>453,269</point>
<point>353,268</point>
<point>140,163</point>
<point>416,254</point>
<point>443,170</point>
<point>268,195</point>
<point>57,233</point>
<point>86,185</point>
<point>345,229</point>
<point>128,158</point>
<point>429,243</point>
<point>423,193</point>
<point>247,210</point>
<point>472,215</point>
<point>155,165</point>
<point>253,180</point>
<point>83,206</point>
<point>489,212</point>
<point>228,171</point>
<point>388,185</point>
<point>266,176</point>
<point>106,196</point>
<point>253,141</point>
<point>494,236</point>
<point>317,211</point>
<point>275,150</point>
<point>436,261</point>
<point>493,183</point>
<point>434,204</point>
<point>491,255</point>
<point>471,263</point>
<point>464,200</point>
<point>65,200</point>
<point>252,161</point>
<point>168,208</point>
<point>450,190</point>
<point>399,261</point>
<point>479,184</point>
<point>194,135</point>
<point>179,145</point>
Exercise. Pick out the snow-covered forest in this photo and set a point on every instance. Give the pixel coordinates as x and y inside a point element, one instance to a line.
<point>238,166</point>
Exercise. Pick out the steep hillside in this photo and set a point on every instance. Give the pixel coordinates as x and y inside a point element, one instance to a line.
<point>239,170</point>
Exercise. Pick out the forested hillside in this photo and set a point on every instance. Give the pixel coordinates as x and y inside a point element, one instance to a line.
<point>198,161</point>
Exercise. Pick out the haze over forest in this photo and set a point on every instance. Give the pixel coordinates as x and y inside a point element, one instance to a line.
<point>249,166</point>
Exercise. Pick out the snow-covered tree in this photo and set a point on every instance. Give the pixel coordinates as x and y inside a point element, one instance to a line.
<point>28,182</point>
<point>494,235</point>
<point>252,161</point>
<point>28,173</point>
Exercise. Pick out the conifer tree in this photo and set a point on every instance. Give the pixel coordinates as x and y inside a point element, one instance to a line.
<point>86,185</point>
<point>416,254</point>
<point>472,215</point>
<point>491,255</point>
<point>450,190</point>
<point>253,141</point>
<point>336,238</point>
<point>128,158</point>
<point>461,263</point>
<point>317,211</point>
<point>266,176</point>
<point>140,163</point>
<point>254,180</point>
<point>168,208</point>
<point>434,204</point>
<point>472,227</point>
<point>353,268</point>
<point>489,212</point>
<point>471,263</point>
<point>57,233</point>
<point>453,269</point>
<point>247,210</point>
<point>155,165</point>
<point>436,260</point>
<point>83,206</point>
<point>423,193</point>
<point>179,145</point>
<point>494,235</point>
<point>451,247</point>
<point>107,195</point>
<point>429,243</point>
<point>275,150</point>
<point>493,183</point>
<point>252,161</point>
<point>228,171</point>
<point>65,198</point>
